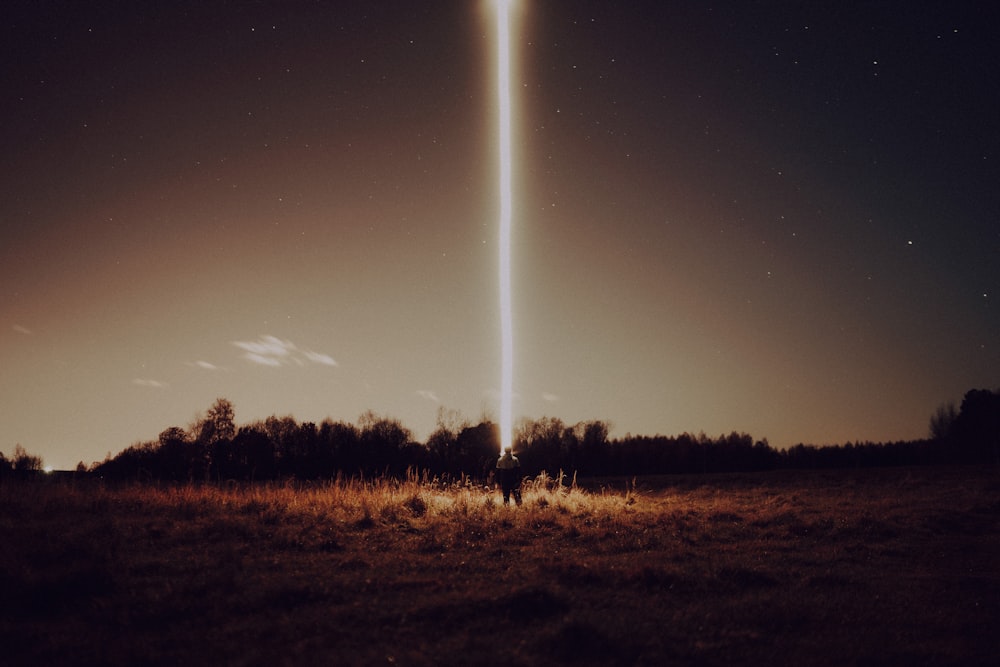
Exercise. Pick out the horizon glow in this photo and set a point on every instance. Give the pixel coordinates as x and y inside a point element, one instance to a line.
<point>506,214</point>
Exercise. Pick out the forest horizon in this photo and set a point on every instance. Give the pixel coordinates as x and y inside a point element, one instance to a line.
<point>215,447</point>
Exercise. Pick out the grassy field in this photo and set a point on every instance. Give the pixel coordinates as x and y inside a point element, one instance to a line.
<point>870,567</point>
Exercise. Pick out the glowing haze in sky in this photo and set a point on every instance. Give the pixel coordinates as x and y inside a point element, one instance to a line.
<point>777,218</point>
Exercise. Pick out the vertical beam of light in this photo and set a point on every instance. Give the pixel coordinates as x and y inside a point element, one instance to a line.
<point>506,192</point>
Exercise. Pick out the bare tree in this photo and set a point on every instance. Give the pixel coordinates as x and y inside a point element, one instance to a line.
<point>219,423</point>
<point>943,422</point>
<point>23,462</point>
<point>216,428</point>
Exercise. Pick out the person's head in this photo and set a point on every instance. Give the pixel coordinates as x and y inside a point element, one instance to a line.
<point>508,451</point>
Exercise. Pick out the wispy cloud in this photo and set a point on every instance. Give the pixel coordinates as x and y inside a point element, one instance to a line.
<point>262,359</point>
<point>319,358</point>
<point>272,351</point>
<point>551,398</point>
<point>21,330</point>
<point>204,365</point>
<point>429,395</point>
<point>154,384</point>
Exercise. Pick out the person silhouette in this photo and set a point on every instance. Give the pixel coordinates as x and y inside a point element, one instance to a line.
<point>508,472</point>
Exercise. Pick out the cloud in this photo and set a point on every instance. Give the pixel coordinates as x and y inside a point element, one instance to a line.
<point>266,346</point>
<point>21,330</point>
<point>272,351</point>
<point>262,359</point>
<point>155,384</point>
<point>429,395</point>
<point>551,398</point>
<point>204,365</point>
<point>317,358</point>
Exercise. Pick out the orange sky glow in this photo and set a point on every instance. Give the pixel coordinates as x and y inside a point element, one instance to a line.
<point>780,221</point>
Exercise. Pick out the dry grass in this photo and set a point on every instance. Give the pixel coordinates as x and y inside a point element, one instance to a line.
<point>860,567</point>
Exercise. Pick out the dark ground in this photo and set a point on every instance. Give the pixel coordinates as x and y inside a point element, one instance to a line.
<point>870,567</point>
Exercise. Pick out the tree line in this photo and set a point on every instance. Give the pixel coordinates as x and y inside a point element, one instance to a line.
<point>215,448</point>
<point>21,464</point>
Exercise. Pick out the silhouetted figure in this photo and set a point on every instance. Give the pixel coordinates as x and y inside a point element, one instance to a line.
<point>509,474</point>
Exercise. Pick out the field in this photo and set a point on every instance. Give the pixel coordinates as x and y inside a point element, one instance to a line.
<point>868,567</point>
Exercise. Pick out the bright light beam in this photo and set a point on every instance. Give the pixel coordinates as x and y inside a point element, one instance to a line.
<point>506,191</point>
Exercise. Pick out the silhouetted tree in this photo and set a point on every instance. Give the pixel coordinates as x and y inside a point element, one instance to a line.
<point>281,433</point>
<point>139,462</point>
<point>539,443</point>
<point>253,453</point>
<point>443,452</point>
<point>943,422</point>
<point>307,446</point>
<point>976,430</point>
<point>593,439</point>
<point>382,441</point>
<point>24,463</point>
<point>342,444</point>
<point>214,433</point>
<point>173,457</point>
<point>478,448</point>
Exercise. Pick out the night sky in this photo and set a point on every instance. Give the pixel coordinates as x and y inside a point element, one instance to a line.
<point>770,217</point>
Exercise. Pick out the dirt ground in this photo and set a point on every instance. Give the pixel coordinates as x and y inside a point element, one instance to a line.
<point>869,567</point>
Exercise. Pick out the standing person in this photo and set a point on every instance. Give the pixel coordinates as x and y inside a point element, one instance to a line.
<point>509,473</point>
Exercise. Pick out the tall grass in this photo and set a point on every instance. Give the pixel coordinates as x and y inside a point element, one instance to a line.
<point>828,568</point>
<point>416,500</point>
<point>386,501</point>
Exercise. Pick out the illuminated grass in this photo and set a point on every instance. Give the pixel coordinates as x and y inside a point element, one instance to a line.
<point>826,568</point>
